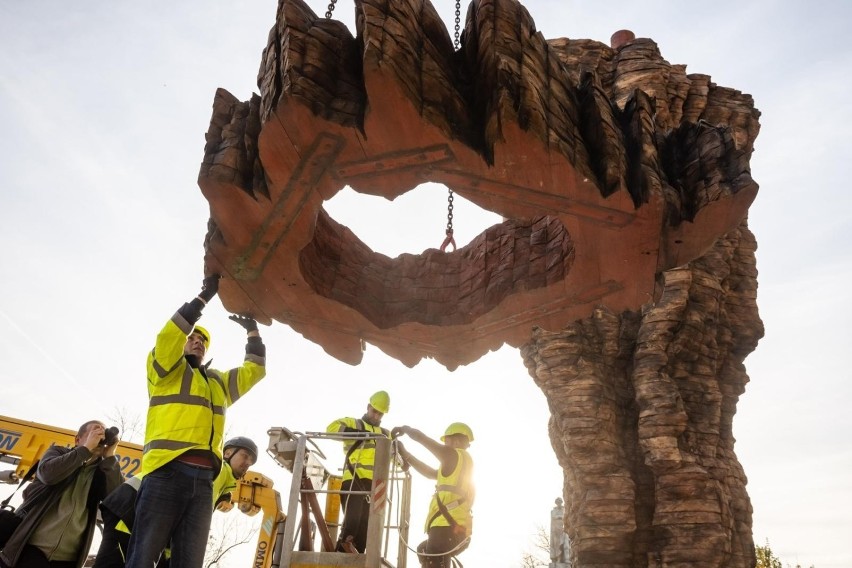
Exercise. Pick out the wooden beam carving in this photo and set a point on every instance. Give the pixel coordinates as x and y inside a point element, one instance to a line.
<point>610,166</point>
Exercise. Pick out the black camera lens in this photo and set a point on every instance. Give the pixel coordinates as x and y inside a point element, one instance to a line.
<point>110,436</point>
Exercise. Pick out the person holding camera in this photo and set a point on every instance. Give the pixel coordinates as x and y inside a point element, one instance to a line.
<point>60,505</point>
<point>184,434</point>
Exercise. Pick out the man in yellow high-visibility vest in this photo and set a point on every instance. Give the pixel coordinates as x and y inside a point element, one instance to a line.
<point>449,523</point>
<point>358,471</point>
<point>119,508</point>
<point>183,434</point>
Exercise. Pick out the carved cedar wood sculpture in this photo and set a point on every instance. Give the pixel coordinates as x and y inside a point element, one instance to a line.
<point>609,165</point>
<point>625,183</point>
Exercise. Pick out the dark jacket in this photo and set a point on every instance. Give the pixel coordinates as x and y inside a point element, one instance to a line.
<point>57,470</point>
<point>122,502</point>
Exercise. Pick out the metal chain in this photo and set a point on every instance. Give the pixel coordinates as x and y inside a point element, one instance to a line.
<point>330,9</point>
<point>450,212</point>
<point>456,41</point>
<point>449,240</point>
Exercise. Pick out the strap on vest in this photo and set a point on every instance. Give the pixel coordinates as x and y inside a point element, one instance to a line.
<point>358,443</point>
<point>442,510</point>
<point>348,464</point>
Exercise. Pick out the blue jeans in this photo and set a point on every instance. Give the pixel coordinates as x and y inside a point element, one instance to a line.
<point>174,505</point>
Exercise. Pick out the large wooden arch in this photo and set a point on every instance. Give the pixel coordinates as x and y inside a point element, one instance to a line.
<point>610,166</point>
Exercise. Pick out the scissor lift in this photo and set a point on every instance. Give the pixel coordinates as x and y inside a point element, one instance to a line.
<point>387,534</point>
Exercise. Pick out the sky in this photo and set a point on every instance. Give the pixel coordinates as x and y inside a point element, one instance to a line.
<point>104,107</point>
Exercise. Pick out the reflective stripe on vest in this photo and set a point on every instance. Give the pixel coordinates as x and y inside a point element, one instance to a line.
<point>187,405</point>
<point>360,454</point>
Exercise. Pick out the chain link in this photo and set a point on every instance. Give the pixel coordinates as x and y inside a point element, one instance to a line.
<point>456,41</point>
<point>450,211</point>
<point>330,9</point>
<point>450,240</point>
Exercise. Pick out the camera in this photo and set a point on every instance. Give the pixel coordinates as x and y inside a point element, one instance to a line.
<point>110,436</point>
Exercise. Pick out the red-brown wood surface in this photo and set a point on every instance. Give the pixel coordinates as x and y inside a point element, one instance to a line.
<point>610,166</point>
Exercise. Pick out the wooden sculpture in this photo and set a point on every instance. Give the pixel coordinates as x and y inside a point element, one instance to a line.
<point>624,268</point>
<point>608,164</point>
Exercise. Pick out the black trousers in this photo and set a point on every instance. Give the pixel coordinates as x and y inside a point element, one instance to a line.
<point>114,543</point>
<point>32,557</point>
<point>113,550</point>
<point>356,512</point>
<point>438,540</point>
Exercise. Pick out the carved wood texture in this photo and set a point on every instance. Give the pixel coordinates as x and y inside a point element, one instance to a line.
<point>642,410</point>
<point>611,165</point>
<point>624,182</point>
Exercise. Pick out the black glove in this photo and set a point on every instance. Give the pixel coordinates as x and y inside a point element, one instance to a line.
<point>210,286</point>
<point>248,323</point>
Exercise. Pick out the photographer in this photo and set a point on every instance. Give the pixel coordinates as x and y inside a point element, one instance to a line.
<point>60,506</point>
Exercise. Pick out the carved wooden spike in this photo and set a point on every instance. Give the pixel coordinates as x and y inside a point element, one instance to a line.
<point>612,166</point>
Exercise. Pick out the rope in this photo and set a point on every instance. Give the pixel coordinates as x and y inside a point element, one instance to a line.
<point>450,552</point>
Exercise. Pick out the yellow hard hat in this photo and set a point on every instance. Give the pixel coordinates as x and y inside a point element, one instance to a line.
<point>458,428</point>
<point>381,401</point>
<point>203,333</point>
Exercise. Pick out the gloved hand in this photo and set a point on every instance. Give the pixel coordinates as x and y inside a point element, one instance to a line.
<point>398,431</point>
<point>210,286</point>
<point>246,322</point>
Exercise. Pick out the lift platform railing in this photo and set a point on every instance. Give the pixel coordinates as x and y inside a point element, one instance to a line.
<point>390,491</point>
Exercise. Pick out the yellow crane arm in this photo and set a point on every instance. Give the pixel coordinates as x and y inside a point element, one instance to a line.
<point>254,493</point>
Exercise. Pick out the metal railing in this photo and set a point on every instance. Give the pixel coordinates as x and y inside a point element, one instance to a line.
<point>389,498</point>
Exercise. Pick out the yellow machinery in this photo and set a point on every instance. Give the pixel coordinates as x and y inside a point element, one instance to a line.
<point>23,442</point>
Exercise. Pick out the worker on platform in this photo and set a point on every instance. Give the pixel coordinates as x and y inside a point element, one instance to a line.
<point>119,508</point>
<point>450,520</point>
<point>60,506</point>
<point>183,435</point>
<point>358,471</point>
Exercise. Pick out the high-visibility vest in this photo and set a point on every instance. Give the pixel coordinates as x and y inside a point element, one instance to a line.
<point>456,492</point>
<point>224,483</point>
<point>361,459</point>
<point>186,410</point>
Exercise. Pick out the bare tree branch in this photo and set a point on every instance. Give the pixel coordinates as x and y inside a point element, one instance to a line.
<point>130,424</point>
<point>230,534</point>
<point>541,544</point>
